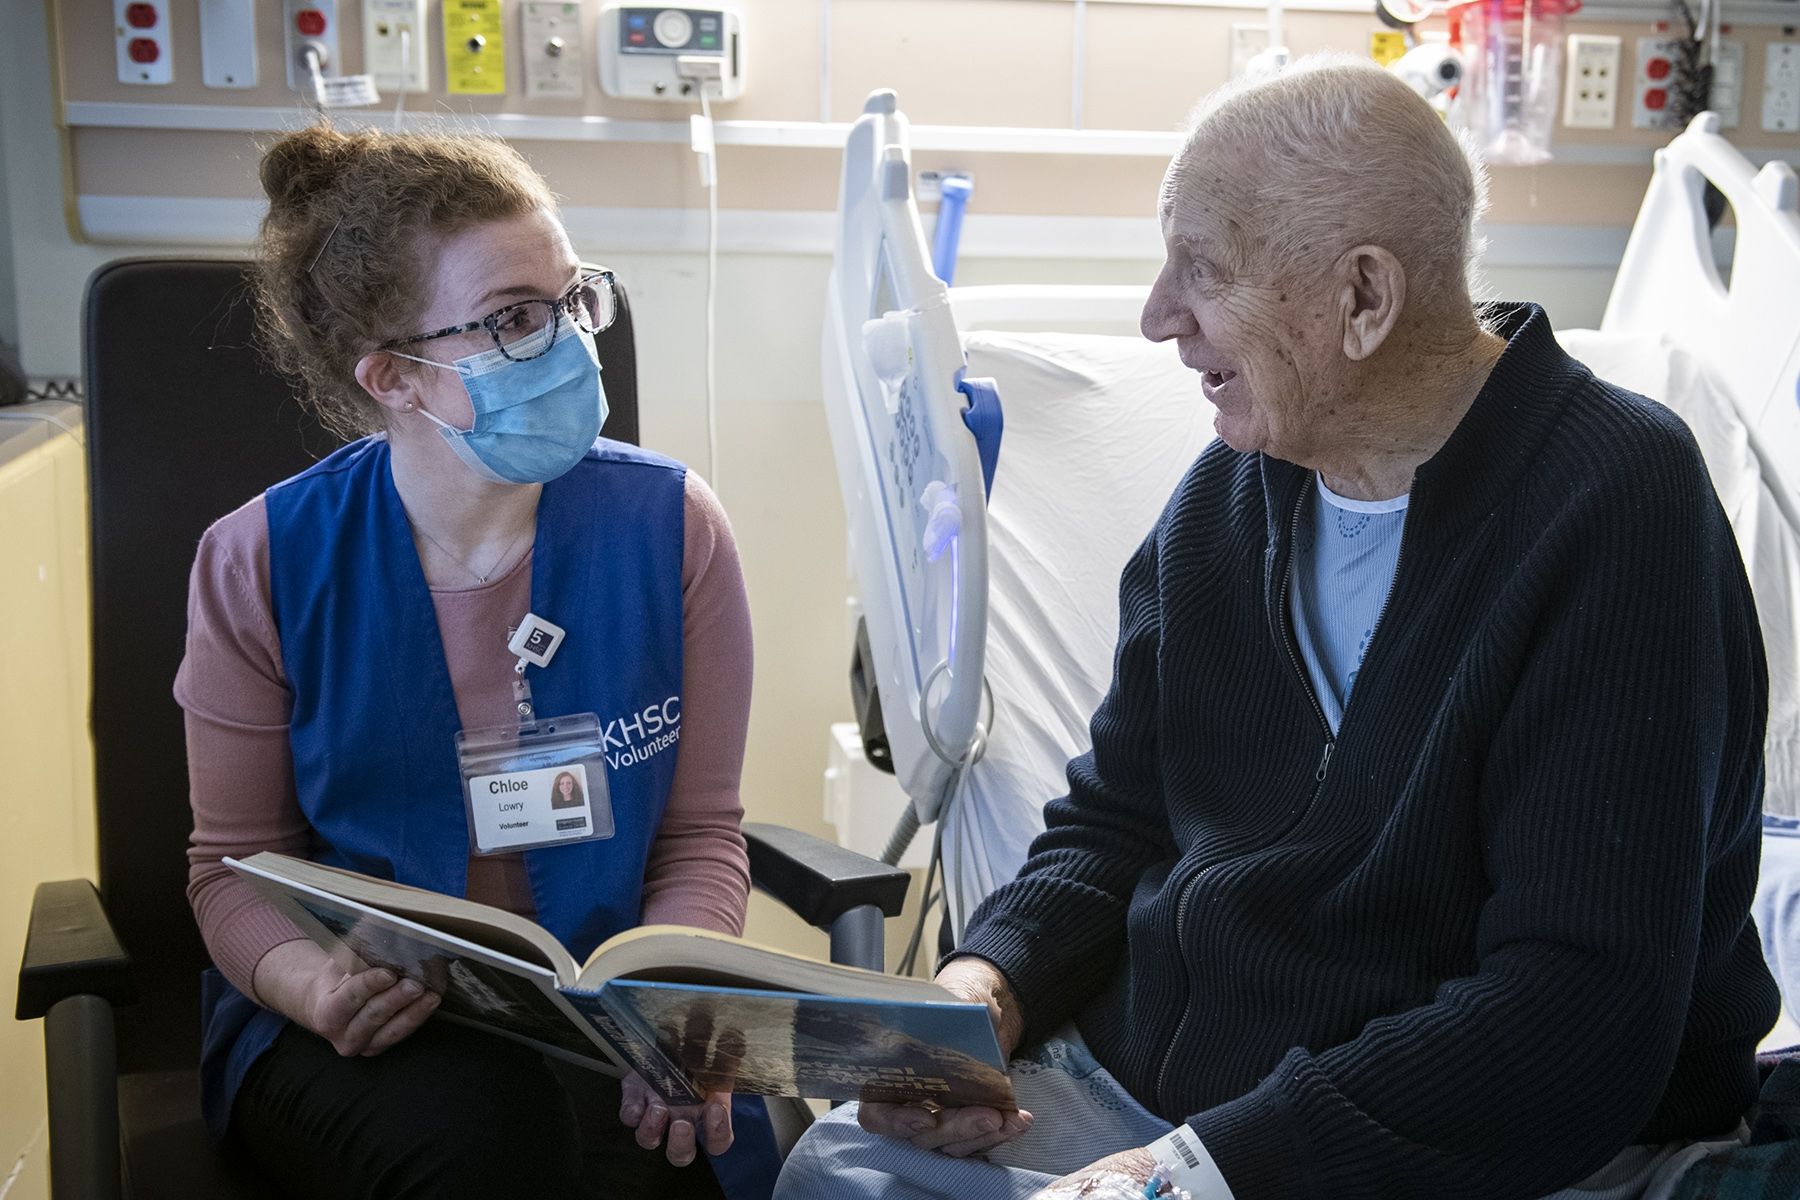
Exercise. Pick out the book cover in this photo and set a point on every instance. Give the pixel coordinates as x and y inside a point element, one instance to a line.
<point>691,1011</point>
<point>777,1043</point>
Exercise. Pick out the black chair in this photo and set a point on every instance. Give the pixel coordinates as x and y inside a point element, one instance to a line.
<point>185,423</point>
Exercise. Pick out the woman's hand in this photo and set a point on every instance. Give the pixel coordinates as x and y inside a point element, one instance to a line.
<point>644,1110</point>
<point>960,1132</point>
<point>361,1012</point>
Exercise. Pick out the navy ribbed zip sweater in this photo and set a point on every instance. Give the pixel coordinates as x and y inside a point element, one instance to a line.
<point>1496,930</point>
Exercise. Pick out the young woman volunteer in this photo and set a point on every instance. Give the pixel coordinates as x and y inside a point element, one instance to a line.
<point>348,648</point>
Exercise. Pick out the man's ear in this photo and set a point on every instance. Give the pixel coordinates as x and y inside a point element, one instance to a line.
<point>1372,292</point>
<point>387,381</point>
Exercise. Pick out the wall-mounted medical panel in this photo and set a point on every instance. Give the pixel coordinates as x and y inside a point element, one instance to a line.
<point>397,44</point>
<point>660,53</point>
<point>310,39</point>
<point>1063,114</point>
<point>228,43</point>
<point>1781,87</point>
<point>555,67</point>
<point>474,48</point>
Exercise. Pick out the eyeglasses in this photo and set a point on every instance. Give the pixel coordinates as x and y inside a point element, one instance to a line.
<point>519,330</point>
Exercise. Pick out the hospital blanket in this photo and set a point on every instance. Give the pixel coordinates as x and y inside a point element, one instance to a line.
<point>1769,1167</point>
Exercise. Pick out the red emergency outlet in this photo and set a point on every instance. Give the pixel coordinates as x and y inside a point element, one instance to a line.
<point>1656,99</point>
<point>140,16</point>
<point>310,21</point>
<point>143,50</point>
<point>1657,68</point>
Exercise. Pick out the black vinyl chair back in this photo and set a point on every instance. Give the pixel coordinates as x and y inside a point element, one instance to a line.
<point>184,424</point>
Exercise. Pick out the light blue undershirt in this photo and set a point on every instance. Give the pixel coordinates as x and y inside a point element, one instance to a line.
<point>1344,560</point>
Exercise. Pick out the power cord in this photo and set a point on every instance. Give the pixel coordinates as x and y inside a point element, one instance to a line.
<point>400,91</point>
<point>711,170</point>
<point>929,899</point>
<point>698,71</point>
<point>56,389</point>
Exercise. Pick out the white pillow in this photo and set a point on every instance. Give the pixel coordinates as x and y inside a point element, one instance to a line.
<point>1767,540</point>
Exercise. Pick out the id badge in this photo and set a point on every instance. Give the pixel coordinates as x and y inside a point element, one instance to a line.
<point>538,784</point>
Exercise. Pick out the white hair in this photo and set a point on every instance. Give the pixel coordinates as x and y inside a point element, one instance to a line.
<point>1331,153</point>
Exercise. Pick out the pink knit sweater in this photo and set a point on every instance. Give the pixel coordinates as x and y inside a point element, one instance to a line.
<point>241,775</point>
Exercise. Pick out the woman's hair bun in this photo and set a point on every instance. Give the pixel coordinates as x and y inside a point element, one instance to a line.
<point>302,164</point>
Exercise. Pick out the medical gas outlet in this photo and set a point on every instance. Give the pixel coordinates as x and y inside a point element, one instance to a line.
<point>554,64</point>
<point>474,48</point>
<point>311,39</point>
<point>649,53</point>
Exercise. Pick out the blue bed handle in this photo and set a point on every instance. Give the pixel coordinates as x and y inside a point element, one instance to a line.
<point>953,198</point>
<point>986,421</point>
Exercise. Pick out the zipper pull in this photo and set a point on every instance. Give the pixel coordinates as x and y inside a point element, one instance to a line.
<point>1324,762</point>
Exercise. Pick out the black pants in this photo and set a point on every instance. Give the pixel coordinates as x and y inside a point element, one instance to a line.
<point>448,1112</point>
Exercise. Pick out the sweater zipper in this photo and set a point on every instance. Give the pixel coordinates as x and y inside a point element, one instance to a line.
<point>1324,767</point>
<point>1187,889</point>
<point>1287,636</point>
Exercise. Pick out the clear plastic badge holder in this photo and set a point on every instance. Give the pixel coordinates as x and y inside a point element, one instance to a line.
<point>538,783</point>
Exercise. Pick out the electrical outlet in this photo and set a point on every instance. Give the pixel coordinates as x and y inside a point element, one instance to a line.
<point>1652,98</point>
<point>228,43</point>
<point>1247,41</point>
<point>554,63</point>
<point>141,41</point>
<point>1781,88</point>
<point>309,25</point>
<point>474,48</point>
<point>1591,81</point>
<point>396,44</point>
<point>1728,82</point>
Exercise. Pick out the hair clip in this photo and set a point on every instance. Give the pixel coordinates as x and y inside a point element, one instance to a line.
<point>322,245</point>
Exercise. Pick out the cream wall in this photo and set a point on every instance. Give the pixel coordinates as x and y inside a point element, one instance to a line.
<point>46,814</point>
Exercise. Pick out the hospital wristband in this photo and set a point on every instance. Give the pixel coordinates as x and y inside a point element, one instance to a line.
<point>1190,1167</point>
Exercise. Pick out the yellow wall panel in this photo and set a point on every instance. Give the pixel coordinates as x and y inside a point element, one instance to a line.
<point>47,806</point>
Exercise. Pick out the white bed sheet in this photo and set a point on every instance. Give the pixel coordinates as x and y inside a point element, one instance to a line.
<point>1767,540</point>
<point>1099,430</point>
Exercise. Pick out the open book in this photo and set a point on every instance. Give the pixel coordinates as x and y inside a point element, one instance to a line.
<point>690,1011</point>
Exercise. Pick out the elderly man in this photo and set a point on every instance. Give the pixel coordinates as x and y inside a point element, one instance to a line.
<point>1489,939</point>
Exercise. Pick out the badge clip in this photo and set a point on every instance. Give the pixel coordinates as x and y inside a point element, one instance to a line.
<point>536,642</point>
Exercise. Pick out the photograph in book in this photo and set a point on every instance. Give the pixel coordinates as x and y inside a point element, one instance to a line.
<point>472,991</point>
<point>690,1010</point>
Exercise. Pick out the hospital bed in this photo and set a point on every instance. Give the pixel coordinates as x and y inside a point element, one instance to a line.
<point>989,650</point>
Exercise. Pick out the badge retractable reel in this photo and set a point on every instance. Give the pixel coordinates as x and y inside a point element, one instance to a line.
<point>542,781</point>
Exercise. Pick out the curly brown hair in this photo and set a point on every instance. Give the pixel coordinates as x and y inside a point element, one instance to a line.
<point>339,262</point>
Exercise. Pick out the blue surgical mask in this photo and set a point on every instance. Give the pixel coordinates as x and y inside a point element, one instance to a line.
<point>535,419</point>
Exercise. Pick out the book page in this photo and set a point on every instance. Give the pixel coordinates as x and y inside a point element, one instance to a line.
<point>679,954</point>
<point>495,928</point>
<point>478,986</point>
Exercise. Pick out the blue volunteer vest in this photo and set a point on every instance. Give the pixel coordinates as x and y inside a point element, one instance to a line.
<point>374,716</point>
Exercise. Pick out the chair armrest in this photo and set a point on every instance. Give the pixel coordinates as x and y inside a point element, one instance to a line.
<point>71,950</point>
<point>820,880</point>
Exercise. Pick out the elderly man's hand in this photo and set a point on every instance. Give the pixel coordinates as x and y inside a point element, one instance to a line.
<point>1118,1176</point>
<point>960,1132</point>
